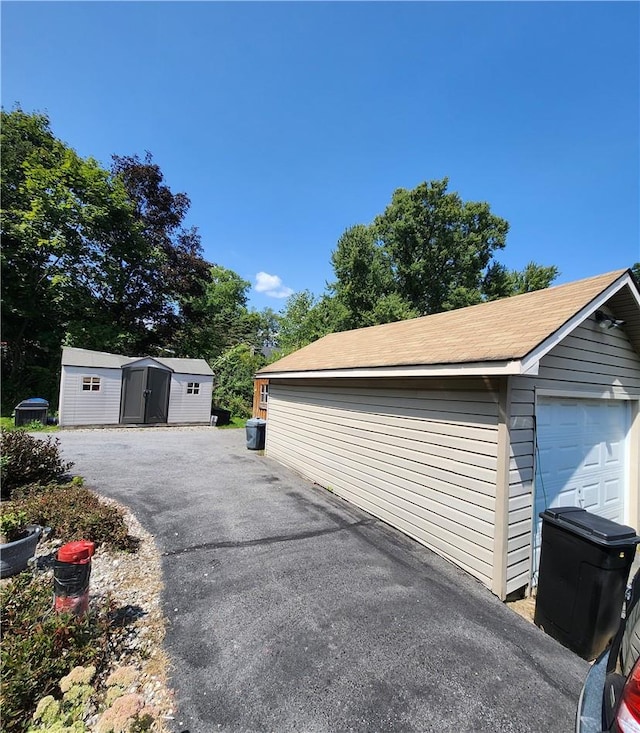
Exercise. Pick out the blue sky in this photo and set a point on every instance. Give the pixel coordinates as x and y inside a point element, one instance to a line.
<point>286,123</point>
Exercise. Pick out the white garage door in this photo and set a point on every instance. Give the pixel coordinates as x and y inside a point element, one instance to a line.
<point>581,458</point>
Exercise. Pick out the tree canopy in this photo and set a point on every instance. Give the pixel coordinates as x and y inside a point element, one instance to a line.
<point>102,259</point>
<point>429,251</point>
<point>91,257</point>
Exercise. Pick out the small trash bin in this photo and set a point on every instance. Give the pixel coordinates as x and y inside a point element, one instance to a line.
<point>35,408</point>
<point>223,416</point>
<point>584,567</point>
<point>256,428</point>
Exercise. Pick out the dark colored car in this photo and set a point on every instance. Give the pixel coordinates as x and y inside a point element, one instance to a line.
<point>610,698</point>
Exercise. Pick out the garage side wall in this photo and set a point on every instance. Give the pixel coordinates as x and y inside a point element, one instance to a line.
<point>423,460</point>
<point>591,363</point>
<point>184,405</point>
<point>80,407</point>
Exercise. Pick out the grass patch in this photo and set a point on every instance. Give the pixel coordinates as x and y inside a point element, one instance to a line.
<point>236,422</point>
<point>8,426</point>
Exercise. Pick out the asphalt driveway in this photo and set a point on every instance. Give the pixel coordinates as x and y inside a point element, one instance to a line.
<point>291,610</point>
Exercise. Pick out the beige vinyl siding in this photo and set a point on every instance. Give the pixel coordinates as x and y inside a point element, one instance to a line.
<point>590,361</point>
<point>190,408</point>
<point>79,407</point>
<point>423,460</point>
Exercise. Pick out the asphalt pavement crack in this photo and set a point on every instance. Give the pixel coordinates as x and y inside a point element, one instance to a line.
<point>267,540</point>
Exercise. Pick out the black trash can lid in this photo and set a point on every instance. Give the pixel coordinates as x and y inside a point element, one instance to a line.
<point>590,526</point>
<point>34,402</point>
<point>252,422</point>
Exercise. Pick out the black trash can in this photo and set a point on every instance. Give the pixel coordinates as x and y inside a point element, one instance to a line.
<point>35,408</point>
<point>584,567</point>
<point>224,416</point>
<point>256,428</point>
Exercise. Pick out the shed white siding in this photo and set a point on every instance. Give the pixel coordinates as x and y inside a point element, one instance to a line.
<point>592,363</point>
<point>190,408</point>
<point>80,407</point>
<point>422,459</point>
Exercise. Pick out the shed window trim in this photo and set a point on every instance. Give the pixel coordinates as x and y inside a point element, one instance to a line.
<point>264,395</point>
<point>91,384</point>
<point>193,387</point>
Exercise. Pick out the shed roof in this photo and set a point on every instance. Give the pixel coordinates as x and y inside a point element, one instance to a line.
<point>502,336</point>
<point>72,356</point>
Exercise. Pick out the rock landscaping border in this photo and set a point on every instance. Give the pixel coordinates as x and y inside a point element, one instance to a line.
<point>134,582</point>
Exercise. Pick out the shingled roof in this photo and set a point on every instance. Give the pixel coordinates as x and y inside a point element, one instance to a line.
<point>86,358</point>
<point>502,333</point>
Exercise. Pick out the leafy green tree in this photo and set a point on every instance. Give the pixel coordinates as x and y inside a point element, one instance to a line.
<point>65,225</point>
<point>499,282</point>
<point>533,277</point>
<point>178,273</point>
<point>364,285</point>
<point>217,318</point>
<point>306,318</point>
<point>234,371</point>
<point>440,246</point>
<point>635,269</point>
<point>90,257</point>
<point>267,329</point>
<point>428,252</point>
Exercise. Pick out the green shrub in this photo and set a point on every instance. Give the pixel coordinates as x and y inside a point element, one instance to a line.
<point>73,513</point>
<point>238,407</point>
<point>29,460</point>
<point>234,370</point>
<point>40,646</point>
<point>12,524</point>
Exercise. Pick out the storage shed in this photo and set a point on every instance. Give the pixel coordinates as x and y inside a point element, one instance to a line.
<point>98,388</point>
<point>459,428</point>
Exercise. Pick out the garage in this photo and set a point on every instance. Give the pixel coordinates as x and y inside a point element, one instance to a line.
<point>458,428</point>
<point>582,457</point>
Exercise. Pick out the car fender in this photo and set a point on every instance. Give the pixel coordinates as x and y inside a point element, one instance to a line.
<point>589,713</point>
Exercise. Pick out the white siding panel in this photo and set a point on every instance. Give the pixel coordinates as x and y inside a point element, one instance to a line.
<point>78,407</point>
<point>422,460</point>
<point>589,361</point>
<point>190,408</point>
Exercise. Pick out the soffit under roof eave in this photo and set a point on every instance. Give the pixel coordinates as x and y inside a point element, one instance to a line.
<point>476,369</point>
<point>532,359</point>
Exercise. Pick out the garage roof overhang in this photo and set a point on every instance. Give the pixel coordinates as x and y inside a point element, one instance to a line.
<point>621,297</point>
<point>495,368</point>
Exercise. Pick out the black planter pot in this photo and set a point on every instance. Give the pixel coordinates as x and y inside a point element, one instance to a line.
<point>15,555</point>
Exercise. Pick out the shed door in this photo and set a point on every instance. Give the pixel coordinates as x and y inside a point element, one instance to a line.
<point>132,405</point>
<point>158,382</point>
<point>145,395</point>
<point>581,458</point>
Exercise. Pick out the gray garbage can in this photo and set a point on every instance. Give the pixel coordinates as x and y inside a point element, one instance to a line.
<point>256,428</point>
<point>584,566</point>
<point>35,408</point>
